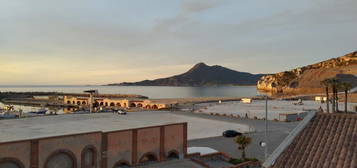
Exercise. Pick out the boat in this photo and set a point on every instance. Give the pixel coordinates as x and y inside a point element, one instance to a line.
<point>39,111</point>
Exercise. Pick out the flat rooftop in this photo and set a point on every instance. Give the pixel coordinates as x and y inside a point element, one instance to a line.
<point>47,126</point>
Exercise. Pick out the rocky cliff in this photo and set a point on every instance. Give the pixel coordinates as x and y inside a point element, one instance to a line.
<point>202,75</point>
<point>307,79</point>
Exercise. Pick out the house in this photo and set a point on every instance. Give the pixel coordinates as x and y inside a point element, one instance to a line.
<point>67,141</point>
<point>320,140</point>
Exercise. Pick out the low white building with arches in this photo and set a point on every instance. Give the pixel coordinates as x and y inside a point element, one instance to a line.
<point>116,102</point>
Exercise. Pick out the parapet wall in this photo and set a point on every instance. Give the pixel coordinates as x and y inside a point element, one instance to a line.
<point>98,149</point>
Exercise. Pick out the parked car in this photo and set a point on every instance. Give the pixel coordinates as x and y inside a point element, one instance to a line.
<point>121,112</point>
<point>231,133</point>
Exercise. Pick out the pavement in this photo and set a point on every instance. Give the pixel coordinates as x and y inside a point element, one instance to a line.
<point>277,131</point>
<point>257,108</point>
<point>47,126</point>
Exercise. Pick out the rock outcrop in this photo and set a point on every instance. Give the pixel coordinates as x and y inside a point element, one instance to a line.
<point>307,79</point>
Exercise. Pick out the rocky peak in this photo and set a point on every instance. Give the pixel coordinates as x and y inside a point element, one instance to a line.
<point>199,65</point>
<point>310,75</point>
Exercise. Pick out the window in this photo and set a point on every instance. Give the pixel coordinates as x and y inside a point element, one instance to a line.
<point>89,157</point>
<point>61,159</point>
<point>10,163</point>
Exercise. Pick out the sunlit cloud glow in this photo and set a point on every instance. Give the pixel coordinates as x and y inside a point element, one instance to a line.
<point>99,42</point>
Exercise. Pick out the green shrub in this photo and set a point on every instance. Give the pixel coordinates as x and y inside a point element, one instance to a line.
<point>235,161</point>
<point>252,159</point>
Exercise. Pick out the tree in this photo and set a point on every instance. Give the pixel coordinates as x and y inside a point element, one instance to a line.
<point>345,86</point>
<point>326,84</point>
<point>334,84</point>
<point>243,142</point>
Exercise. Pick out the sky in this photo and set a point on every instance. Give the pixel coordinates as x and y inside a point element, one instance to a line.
<point>99,42</point>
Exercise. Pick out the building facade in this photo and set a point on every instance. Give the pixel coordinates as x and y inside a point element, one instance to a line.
<point>119,103</point>
<point>113,149</point>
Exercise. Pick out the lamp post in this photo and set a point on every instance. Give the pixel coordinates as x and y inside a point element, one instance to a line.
<point>266,127</point>
<point>264,143</point>
<point>91,98</point>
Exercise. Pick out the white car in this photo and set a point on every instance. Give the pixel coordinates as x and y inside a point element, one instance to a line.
<point>120,112</point>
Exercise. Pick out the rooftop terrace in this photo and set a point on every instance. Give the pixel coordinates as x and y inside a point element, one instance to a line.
<point>39,127</point>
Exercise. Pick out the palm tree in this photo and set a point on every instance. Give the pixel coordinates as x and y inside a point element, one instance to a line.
<point>346,87</point>
<point>334,84</point>
<point>326,84</point>
<point>243,142</point>
<point>337,87</point>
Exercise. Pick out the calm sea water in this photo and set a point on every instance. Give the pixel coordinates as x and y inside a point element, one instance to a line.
<point>153,92</point>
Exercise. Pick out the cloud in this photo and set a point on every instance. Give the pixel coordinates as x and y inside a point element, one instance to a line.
<point>196,6</point>
<point>187,8</point>
<point>100,41</point>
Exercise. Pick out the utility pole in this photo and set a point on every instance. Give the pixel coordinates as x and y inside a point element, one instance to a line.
<point>266,127</point>
<point>91,99</point>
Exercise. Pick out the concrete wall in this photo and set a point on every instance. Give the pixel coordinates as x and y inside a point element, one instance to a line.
<point>128,146</point>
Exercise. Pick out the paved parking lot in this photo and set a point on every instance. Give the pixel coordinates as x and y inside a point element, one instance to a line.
<point>276,134</point>
<point>46,126</point>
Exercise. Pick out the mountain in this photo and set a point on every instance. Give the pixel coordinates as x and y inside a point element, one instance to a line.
<point>202,75</point>
<point>307,79</point>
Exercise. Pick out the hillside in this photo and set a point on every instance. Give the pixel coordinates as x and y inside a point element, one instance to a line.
<point>202,75</point>
<point>307,79</point>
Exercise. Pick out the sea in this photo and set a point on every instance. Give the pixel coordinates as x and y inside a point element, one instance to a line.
<point>153,92</point>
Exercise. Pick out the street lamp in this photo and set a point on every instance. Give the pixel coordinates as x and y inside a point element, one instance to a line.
<point>91,98</point>
<point>264,143</point>
<point>266,127</point>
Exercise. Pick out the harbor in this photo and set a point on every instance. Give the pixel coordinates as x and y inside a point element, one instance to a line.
<point>30,104</point>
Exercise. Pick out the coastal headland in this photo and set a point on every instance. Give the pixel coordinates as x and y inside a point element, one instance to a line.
<point>307,79</point>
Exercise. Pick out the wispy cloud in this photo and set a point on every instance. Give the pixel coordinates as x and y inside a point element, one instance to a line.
<point>132,40</point>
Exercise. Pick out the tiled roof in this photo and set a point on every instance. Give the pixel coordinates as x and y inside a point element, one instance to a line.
<point>329,140</point>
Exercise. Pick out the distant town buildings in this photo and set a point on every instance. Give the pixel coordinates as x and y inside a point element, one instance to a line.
<point>116,102</point>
